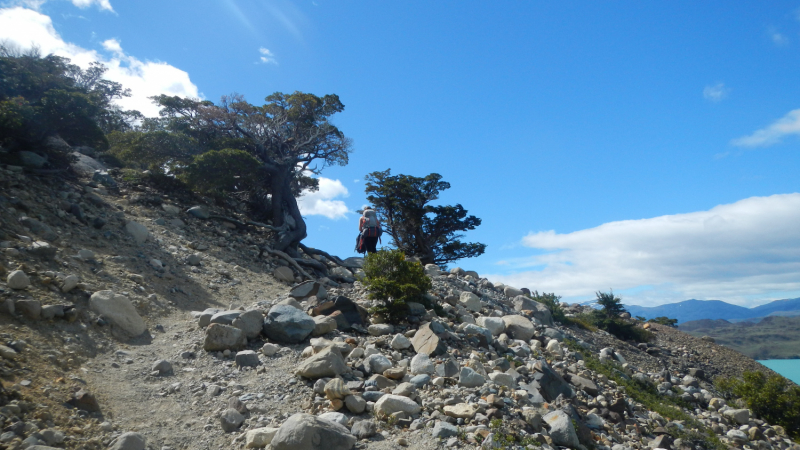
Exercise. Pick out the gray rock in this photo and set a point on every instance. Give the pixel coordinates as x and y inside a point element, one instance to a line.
<point>225,317</point>
<point>427,341</point>
<point>335,417</point>
<point>307,289</point>
<point>355,404</point>
<point>448,369</point>
<point>483,333</point>
<point>306,432</point>
<point>223,337</point>
<point>85,165</point>
<point>162,366</point>
<point>421,364</point>
<point>231,420</point>
<point>364,429</point>
<point>389,404</point>
<point>129,441</point>
<point>400,342</point>
<point>470,301</point>
<point>511,292</point>
<point>32,160</point>
<point>250,322</point>
<point>380,329</point>
<point>420,380</point>
<point>119,311</point>
<point>201,212</point>
<point>493,324</point>
<point>17,279</point>
<point>469,378</point>
<point>444,430</point>
<point>38,228</point>
<point>584,384</point>
<point>138,232</point>
<point>70,283</point>
<point>739,416</point>
<point>502,379</point>
<point>247,358</point>
<point>377,363</point>
<point>551,384</point>
<point>287,324</point>
<point>53,437</point>
<point>260,437</point>
<point>323,325</point>
<point>326,363</point>
<point>518,327</point>
<point>284,274</point>
<point>102,177</point>
<point>42,249</point>
<point>561,430</point>
<point>194,259</point>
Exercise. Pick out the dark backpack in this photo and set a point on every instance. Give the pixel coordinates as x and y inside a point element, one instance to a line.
<point>361,246</point>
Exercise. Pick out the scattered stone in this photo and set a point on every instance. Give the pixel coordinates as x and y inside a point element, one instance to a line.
<point>444,430</point>
<point>364,429</point>
<point>306,432</point>
<point>380,329</point>
<point>287,324</point>
<point>518,327</point>
<point>307,289</point>
<point>461,410</point>
<point>428,342</point>
<point>389,404</point>
<point>70,283</point>
<point>231,420</point>
<point>223,337</point>
<point>250,322</point>
<point>201,212</point>
<point>259,437</point>
<point>17,279</point>
<point>355,404</point>
<point>421,364</point>
<point>377,363</point>
<point>323,325</point>
<point>138,232</point>
<point>561,430</point>
<point>32,309</point>
<point>469,378</point>
<point>129,441</point>
<point>327,363</point>
<point>162,367</point>
<point>284,274</point>
<point>118,310</point>
<point>247,358</point>
<point>400,342</point>
<point>85,401</point>
<point>470,301</point>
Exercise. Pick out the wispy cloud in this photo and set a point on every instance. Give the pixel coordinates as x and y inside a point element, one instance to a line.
<point>716,92</point>
<point>37,4</point>
<point>777,37</point>
<point>773,133</point>
<point>26,28</point>
<point>323,201</point>
<point>267,57</point>
<point>736,252</point>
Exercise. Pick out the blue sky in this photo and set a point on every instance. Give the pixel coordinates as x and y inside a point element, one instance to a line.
<point>648,147</point>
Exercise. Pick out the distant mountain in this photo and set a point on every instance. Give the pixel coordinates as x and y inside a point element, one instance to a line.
<point>715,309</point>
<point>773,337</point>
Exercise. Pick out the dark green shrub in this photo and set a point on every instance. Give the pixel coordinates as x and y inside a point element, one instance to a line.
<point>225,170</point>
<point>663,320</point>
<point>608,318</point>
<point>395,281</point>
<point>772,398</point>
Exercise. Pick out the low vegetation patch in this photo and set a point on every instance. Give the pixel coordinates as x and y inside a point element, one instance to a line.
<point>395,281</point>
<point>772,398</point>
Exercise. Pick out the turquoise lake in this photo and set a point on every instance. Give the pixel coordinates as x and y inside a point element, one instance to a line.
<point>789,368</point>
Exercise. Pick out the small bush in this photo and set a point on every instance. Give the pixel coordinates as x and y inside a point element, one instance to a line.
<point>771,398</point>
<point>663,320</point>
<point>395,281</point>
<point>608,319</point>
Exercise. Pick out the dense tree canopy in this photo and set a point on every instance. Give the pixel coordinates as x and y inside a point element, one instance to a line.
<point>416,227</point>
<point>47,96</point>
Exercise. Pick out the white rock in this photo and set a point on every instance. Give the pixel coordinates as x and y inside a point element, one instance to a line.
<point>421,364</point>
<point>493,324</point>
<point>470,301</point>
<point>400,342</point>
<point>18,280</point>
<point>260,437</point>
<point>118,310</point>
<point>70,283</point>
<point>389,404</point>
<point>138,232</point>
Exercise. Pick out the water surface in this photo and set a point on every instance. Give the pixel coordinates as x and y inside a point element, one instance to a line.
<point>788,368</point>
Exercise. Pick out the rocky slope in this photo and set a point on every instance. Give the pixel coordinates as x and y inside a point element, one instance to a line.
<point>129,323</point>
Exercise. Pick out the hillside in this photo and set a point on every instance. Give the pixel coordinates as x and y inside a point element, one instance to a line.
<point>690,310</point>
<point>135,317</point>
<point>773,337</point>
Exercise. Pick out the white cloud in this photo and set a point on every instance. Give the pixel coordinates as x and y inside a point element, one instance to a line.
<point>777,37</point>
<point>772,134</point>
<point>83,4</point>
<point>740,252</point>
<point>26,28</point>
<point>716,92</point>
<point>267,57</point>
<point>322,202</point>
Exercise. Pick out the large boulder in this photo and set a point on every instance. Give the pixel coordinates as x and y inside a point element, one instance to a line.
<point>518,327</point>
<point>306,432</point>
<point>118,310</point>
<point>551,384</point>
<point>85,165</point>
<point>493,324</point>
<point>350,313</point>
<point>512,292</point>
<point>138,232</point>
<point>223,337</point>
<point>250,322</point>
<point>427,341</point>
<point>470,301</point>
<point>17,279</point>
<point>561,430</point>
<point>287,324</point>
<point>389,404</point>
<point>326,363</point>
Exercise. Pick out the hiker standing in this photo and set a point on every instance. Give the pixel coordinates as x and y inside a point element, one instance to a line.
<point>370,229</point>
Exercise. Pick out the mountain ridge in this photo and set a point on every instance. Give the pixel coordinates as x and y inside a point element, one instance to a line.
<point>691,310</point>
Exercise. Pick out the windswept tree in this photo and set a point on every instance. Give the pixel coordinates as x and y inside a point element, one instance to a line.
<point>431,233</point>
<point>290,137</point>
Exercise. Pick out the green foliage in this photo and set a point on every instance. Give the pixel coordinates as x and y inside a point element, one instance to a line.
<point>663,320</point>
<point>47,96</point>
<point>226,170</point>
<point>395,281</point>
<point>155,150</point>
<point>416,227</point>
<point>671,408</point>
<point>608,319</point>
<point>553,303</point>
<point>772,398</point>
